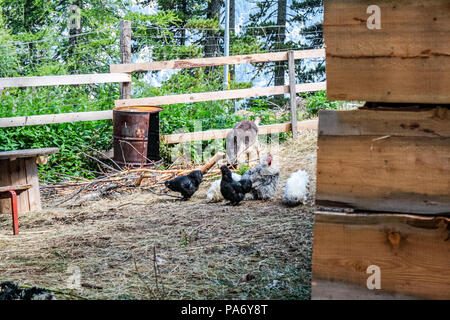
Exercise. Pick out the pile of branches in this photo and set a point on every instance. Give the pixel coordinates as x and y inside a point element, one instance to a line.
<point>116,180</point>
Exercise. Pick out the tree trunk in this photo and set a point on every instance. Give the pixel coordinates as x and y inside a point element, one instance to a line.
<point>280,38</point>
<point>212,36</point>
<point>74,31</point>
<point>183,30</point>
<point>232,30</point>
<point>232,15</point>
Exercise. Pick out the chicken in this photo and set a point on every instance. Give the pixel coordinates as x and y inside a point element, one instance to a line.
<point>232,190</point>
<point>296,188</point>
<point>187,185</point>
<point>214,194</point>
<point>11,291</point>
<point>264,179</point>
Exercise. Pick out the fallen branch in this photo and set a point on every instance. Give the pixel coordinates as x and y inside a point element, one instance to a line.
<point>218,156</point>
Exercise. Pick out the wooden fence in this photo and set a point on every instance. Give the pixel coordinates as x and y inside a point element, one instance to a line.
<point>121,73</point>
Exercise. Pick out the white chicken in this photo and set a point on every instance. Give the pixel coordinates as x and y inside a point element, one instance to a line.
<point>264,179</point>
<point>214,194</point>
<point>296,188</point>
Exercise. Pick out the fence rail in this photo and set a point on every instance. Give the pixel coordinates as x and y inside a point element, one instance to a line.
<point>74,79</point>
<point>216,61</point>
<point>55,118</point>
<point>121,73</point>
<point>222,134</point>
<point>218,95</point>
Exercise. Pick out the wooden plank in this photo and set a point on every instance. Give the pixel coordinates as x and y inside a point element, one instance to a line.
<point>384,173</point>
<point>333,290</point>
<point>27,153</point>
<point>434,122</point>
<point>389,80</point>
<point>412,252</point>
<point>407,60</point>
<point>125,52</point>
<point>5,180</point>
<point>55,118</point>
<point>19,187</point>
<point>64,80</point>
<point>34,195</point>
<point>216,61</point>
<point>219,95</point>
<point>292,91</point>
<point>222,134</point>
<point>19,177</point>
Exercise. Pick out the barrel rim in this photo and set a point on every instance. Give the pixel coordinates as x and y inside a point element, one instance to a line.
<point>135,109</point>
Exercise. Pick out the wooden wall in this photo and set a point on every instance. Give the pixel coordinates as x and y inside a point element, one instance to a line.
<point>378,160</point>
<point>412,252</point>
<point>407,60</point>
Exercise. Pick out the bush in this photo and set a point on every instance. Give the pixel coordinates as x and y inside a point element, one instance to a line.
<point>318,101</point>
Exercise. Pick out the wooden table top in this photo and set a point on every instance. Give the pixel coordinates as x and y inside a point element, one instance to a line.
<point>27,153</point>
<point>19,187</point>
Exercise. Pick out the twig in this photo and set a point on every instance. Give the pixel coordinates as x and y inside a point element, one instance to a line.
<point>133,203</point>
<point>155,268</point>
<point>99,161</point>
<point>104,156</point>
<point>67,175</point>
<point>106,179</point>
<point>140,153</point>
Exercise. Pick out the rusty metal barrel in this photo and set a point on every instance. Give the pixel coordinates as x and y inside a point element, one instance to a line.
<point>136,136</point>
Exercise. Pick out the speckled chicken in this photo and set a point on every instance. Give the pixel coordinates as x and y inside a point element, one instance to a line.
<point>264,179</point>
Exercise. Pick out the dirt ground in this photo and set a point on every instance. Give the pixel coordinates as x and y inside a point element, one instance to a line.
<point>138,245</point>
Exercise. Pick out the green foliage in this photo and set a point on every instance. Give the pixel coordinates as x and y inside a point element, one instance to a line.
<point>46,50</point>
<point>9,63</point>
<point>73,139</point>
<point>161,19</point>
<point>242,169</point>
<point>318,101</point>
<point>309,14</point>
<point>199,23</point>
<point>193,116</point>
<point>245,44</point>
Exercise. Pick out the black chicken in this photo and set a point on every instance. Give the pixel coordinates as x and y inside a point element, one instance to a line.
<point>187,185</point>
<point>232,190</point>
<point>11,291</point>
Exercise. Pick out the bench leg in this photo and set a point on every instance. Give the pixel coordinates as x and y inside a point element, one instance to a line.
<point>15,215</point>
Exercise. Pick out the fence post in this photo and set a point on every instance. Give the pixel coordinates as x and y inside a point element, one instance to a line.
<point>125,53</point>
<point>292,92</point>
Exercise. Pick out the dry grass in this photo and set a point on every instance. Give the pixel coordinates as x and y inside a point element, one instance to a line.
<point>202,249</point>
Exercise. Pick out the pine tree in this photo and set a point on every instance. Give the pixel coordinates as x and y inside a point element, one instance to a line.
<point>308,13</point>
<point>310,16</point>
<point>212,41</point>
<point>281,38</point>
